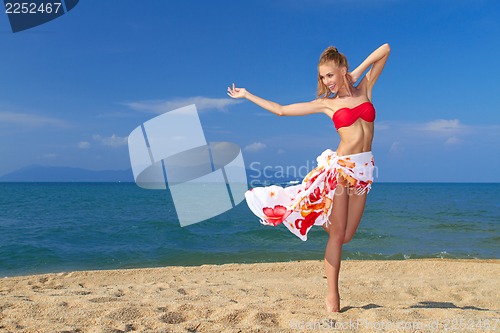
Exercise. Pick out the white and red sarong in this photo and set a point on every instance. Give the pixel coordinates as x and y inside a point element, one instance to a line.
<point>309,203</point>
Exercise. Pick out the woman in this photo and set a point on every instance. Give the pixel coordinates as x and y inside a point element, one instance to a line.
<point>332,195</point>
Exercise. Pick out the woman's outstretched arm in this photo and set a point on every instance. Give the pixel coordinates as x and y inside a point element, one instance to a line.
<point>376,60</point>
<point>297,109</point>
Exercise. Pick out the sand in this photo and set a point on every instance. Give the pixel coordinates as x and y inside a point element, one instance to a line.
<point>376,296</point>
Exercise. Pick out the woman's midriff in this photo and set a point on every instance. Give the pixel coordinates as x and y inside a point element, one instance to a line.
<point>355,139</point>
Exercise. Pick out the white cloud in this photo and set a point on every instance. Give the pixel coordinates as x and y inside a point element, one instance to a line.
<point>115,115</point>
<point>202,103</point>
<point>452,141</point>
<point>395,148</point>
<point>83,144</point>
<point>112,141</point>
<point>255,147</point>
<point>438,132</point>
<point>439,137</point>
<point>382,126</point>
<point>444,126</point>
<point>30,120</point>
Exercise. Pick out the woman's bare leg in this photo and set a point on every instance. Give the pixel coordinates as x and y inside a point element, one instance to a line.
<point>333,251</point>
<point>348,207</point>
<point>355,210</point>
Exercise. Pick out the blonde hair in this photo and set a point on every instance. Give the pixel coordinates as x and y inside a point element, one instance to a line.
<point>329,54</point>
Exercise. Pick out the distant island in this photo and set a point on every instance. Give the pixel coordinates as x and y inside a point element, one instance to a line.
<point>38,173</point>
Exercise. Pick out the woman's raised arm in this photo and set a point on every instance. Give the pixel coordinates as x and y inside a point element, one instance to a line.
<point>296,109</point>
<point>376,62</point>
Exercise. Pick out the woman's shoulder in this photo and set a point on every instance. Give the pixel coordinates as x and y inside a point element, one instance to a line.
<point>328,104</point>
<point>363,88</point>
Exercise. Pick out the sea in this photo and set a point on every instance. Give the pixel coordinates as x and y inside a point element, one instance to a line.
<point>61,227</point>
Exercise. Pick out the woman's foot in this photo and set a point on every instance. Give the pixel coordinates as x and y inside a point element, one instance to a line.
<point>333,303</point>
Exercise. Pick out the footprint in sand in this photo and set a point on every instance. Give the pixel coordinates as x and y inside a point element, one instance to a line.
<point>173,318</point>
<point>126,314</point>
<point>234,317</point>
<point>103,299</point>
<point>267,319</point>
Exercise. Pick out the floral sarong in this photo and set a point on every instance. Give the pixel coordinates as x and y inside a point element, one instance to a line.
<point>309,203</point>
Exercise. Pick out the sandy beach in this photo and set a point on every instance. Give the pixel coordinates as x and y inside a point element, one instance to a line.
<point>385,296</point>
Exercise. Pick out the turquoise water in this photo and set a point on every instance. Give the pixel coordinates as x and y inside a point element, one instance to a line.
<point>54,227</point>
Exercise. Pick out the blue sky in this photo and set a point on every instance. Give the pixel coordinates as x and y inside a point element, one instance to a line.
<point>74,88</point>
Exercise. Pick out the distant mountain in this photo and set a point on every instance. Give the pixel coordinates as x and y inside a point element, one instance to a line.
<point>38,173</point>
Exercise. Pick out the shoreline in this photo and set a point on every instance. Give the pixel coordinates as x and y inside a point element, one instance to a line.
<point>256,297</point>
<point>62,271</point>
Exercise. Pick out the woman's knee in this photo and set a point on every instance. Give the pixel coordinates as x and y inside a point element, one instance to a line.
<point>337,236</point>
<point>340,237</point>
<point>347,238</point>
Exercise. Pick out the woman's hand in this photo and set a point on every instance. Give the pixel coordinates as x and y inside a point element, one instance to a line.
<point>352,77</point>
<point>374,63</point>
<point>236,92</point>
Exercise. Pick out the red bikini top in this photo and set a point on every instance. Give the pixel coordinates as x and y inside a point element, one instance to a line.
<point>345,117</point>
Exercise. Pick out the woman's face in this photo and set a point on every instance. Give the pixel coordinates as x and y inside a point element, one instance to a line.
<point>332,76</point>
